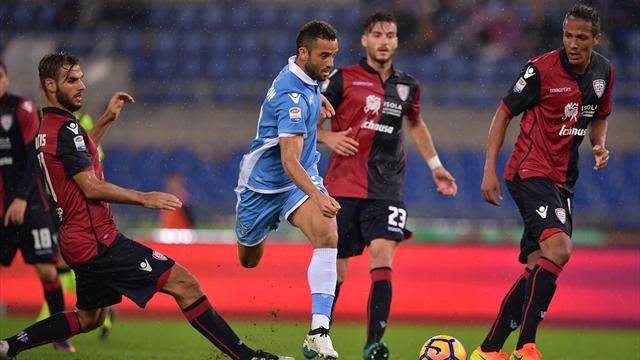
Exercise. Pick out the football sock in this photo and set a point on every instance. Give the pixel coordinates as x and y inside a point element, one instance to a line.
<point>53,295</point>
<point>509,316</point>
<point>322,278</point>
<point>57,327</point>
<point>539,291</point>
<point>379,303</point>
<point>201,316</point>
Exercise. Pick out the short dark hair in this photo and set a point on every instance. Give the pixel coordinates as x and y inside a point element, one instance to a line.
<point>52,63</point>
<point>585,12</point>
<point>315,30</point>
<point>380,16</point>
<point>3,66</point>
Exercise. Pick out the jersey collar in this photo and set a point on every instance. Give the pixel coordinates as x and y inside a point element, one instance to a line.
<point>365,65</point>
<point>294,68</point>
<point>58,111</point>
<point>564,60</point>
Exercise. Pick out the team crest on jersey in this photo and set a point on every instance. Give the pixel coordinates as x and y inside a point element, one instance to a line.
<point>403,91</point>
<point>79,142</point>
<point>598,87</point>
<point>158,256</point>
<point>570,112</point>
<point>561,215</point>
<point>372,104</point>
<point>6,121</point>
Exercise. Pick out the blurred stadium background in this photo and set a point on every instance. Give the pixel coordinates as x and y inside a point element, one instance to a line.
<point>199,70</point>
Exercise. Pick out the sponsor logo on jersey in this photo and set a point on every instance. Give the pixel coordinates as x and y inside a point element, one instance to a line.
<point>295,97</point>
<point>567,131</point>
<point>529,72</point>
<point>391,108</point>
<point>295,114</point>
<point>570,112</point>
<point>5,161</point>
<point>79,142</point>
<point>519,86</point>
<point>159,256</point>
<point>561,215</point>
<point>73,127</point>
<point>598,87</point>
<point>588,110</point>
<point>372,104</point>
<point>542,211</point>
<point>403,91</point>
<point>377,127</point>
<point>6,121</point>
<point>362,83</point>
<point>560,90</point>
<point>5,143</point>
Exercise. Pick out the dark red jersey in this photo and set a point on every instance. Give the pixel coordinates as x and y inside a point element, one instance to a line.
<point>558,107</point>
<point>19,171</point>
<point>87,227</point>
<point>374,110</point>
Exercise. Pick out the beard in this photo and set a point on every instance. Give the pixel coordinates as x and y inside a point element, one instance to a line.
<point>65,101</point>
<point>314,72</point>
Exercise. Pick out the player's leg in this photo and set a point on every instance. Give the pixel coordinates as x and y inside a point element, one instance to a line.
<point>380,293</point>
<point>322,277</point>
<point>342,269</point>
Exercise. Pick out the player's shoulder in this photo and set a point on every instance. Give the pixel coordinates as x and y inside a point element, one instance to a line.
<point>405,77</point>
<point>600,60</point>
<point>546,60</point>
<point>16,100</point>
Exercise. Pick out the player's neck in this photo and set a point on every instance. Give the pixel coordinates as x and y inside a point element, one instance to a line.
<point>383,68</point>
<point>580,69</point>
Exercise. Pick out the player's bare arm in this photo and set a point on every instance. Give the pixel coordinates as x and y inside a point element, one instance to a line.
<point>326,111</point>
<point>340,142</point>
<point>490,187</point>
<point>421,136</point>
<point>598,136</point>
<point>110,115</point>
<point>15,212</point>
<point>290,150</point>
<point>96,189</point>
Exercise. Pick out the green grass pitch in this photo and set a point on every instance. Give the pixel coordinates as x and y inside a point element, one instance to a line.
<point>174,339</point>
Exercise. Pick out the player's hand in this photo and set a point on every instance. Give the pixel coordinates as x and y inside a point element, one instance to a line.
<point>160,200</point>
<point>490,188</point>
<point>445,183</point>
<point>15,212</point>
<point>117,103</point>
<point>326,111</point>
<point>341,143</point>
<point>328,205</point>
<point>602,157</point>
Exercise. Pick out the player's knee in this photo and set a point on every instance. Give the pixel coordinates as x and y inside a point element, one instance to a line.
<point>327,239</point>
<point>190,285</point>
<point>46,272</point>
<point>90,320</point>
<point>561,255</point>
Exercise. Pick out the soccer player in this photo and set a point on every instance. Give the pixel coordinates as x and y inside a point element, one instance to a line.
<point>107,264</point>
<point>372,100</point>
<point>561,93</point>
<point>279,176</point>
<point>25,207</point>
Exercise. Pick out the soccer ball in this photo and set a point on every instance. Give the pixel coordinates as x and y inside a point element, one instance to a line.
<point>443,347</point>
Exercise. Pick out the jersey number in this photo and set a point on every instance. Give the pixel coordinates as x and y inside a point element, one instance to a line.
<point>41,238</point>
<point>398,216</point>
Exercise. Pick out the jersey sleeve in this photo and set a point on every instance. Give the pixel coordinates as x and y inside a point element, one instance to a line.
<point>524,93</point>
<point>414,108</point>
<point>72,149</point>
<point>332,88</point>
<point>28,119</point>
<point>291,113</point>
<point>605,104</point>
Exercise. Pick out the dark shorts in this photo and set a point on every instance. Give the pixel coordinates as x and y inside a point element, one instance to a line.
<point>544,208</point>
<point>363,220</point>
<point>127,268</point>
<point>36,238</point>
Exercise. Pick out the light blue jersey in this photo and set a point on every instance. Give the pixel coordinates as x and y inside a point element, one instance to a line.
<point>265,192</point>
<point>291,107</point>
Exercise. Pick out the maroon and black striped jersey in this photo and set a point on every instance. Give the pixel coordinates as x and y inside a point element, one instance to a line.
<point>558,106</point>
<point>87,227</point>
<point>19,171</point>
<point>374,110</point>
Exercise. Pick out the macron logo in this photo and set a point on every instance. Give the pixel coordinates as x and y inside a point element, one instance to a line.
<point>542,211</point>
<point>529,73</point>
<point>145,266</point>
<point>295,97</point>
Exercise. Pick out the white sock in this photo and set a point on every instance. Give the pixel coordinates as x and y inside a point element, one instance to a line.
<point>322,277</point>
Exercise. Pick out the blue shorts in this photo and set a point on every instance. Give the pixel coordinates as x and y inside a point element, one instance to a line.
<point>258,213</point>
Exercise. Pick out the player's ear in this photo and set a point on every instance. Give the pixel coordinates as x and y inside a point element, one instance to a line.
<point>303,53</point>
<point>364,41</point>
<point>50,85</point>
<point>596,39</point>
